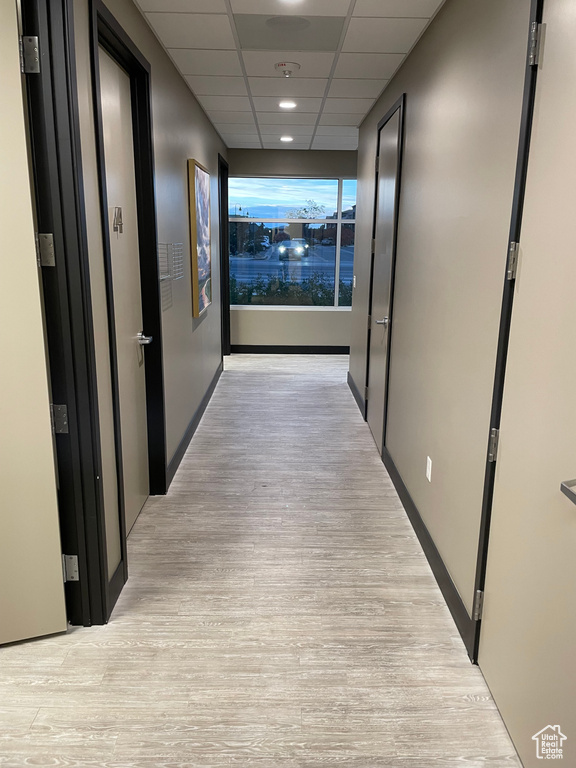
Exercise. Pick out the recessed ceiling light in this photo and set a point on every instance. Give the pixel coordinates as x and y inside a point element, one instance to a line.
<point>287,104</point>
<point>286,138</point>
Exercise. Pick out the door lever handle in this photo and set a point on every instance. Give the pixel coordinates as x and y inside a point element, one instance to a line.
<point>383,322</point>
<point>143,340</point>
<point>117,224</point>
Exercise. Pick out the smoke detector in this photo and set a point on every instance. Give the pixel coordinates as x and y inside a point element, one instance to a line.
<point>287,68</point>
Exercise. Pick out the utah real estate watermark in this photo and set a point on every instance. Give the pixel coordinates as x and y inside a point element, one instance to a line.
<point>549,743</point>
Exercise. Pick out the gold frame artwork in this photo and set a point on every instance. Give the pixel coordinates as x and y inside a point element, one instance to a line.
<point>200,256</point>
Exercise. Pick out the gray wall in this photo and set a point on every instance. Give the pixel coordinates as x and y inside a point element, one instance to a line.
<point>181,131</point>
<point>464,84</point>
<point>32,588</point>
<point>292,162</point>
<point>295,327</point>
<point>291,327</point>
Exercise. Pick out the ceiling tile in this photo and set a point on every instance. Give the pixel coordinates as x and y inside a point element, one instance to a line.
<point>183,6</point>
<point>287,87</point>
<point>193,30</point>
<point>305,131</point>
<point>300,118</point>
<point>246,138</point>
<point>308,33</point>
<point>348,106</point>
<point>225,103</point>
<point>376,66</point>
<point>399,8</point>
<point>217,86</point>
<point>356,89</point>
<point>285,145</point>
<point>328,119</point>
<point>270,104</point>
<point>304,8</point>
<point>261,63</point>
<point>383,35</point>
<point>334,142</point>
<point>347,131</point>
<point>236,128</point>
<point>228,118</point>
<point>206,62</point>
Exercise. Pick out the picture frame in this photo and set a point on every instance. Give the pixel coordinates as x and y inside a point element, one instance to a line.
<point>200,255</point>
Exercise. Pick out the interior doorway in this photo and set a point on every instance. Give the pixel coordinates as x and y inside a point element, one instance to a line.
<point>131,298</point>
<point>125,296</point>
<point>388,165</point>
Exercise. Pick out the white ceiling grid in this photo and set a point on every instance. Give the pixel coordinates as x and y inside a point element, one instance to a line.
<point>347,50</point>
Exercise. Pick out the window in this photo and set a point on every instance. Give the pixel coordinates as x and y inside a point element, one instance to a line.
<point>292,241</point>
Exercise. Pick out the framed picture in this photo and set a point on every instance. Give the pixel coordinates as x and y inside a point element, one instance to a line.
<point>199,193</point>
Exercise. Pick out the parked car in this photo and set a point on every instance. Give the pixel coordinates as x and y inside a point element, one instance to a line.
<point>292,250</point>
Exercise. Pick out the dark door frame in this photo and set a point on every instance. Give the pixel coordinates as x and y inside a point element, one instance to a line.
<point>107,33</point>
<point>399,105</point>
<point>530,78</point>
<point>224,253</point>
<point>60,210</point>
<point>59,203</point>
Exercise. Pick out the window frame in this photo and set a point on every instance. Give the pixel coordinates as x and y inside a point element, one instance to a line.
<point>339,221</point>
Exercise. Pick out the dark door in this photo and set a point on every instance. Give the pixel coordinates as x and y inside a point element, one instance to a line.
<point>224,253</point>
<point>385,227</point>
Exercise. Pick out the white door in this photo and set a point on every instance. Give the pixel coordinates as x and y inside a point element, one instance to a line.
<point>528,633</point>
<point>388,170</point>
<point>125,268</point>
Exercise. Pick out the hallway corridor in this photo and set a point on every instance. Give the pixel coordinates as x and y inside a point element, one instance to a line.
<point>279,612</point>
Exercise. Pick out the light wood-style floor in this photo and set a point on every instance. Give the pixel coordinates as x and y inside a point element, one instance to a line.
<point>279,613</point>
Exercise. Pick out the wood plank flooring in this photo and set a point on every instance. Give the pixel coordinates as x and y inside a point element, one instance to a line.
<point>279,613</point>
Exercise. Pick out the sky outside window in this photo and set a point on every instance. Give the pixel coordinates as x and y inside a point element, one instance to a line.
<point>260,198</point>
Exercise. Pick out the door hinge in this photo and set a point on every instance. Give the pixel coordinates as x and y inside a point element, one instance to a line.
<point>493,444</point>
<point>59,419</point>
<point>365,393</point>
<point>376,164</point>
<point>70,568</point>
<point>512,265</point>
<point>45,250</point>
<point>373,245</point>
<point>478,605</point>
<point>534,47</point>
<point>29,55</point>
<point>369,321</point>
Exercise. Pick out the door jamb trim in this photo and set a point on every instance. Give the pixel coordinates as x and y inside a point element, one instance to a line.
<point>223,170</point>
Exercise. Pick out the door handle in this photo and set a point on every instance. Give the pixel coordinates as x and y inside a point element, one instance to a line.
<point>117,224</point>
<point>383,322</point>
<point>143,340</point>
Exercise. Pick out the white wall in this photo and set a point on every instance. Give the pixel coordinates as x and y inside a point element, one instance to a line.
<point>32,589</point>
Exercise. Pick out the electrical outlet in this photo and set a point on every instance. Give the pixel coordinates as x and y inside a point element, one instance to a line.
<point>428,469</point>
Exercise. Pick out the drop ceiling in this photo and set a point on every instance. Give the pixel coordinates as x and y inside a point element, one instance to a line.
<point>347,50</point>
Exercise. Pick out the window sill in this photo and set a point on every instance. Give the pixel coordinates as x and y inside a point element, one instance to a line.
<point>285,308</point>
